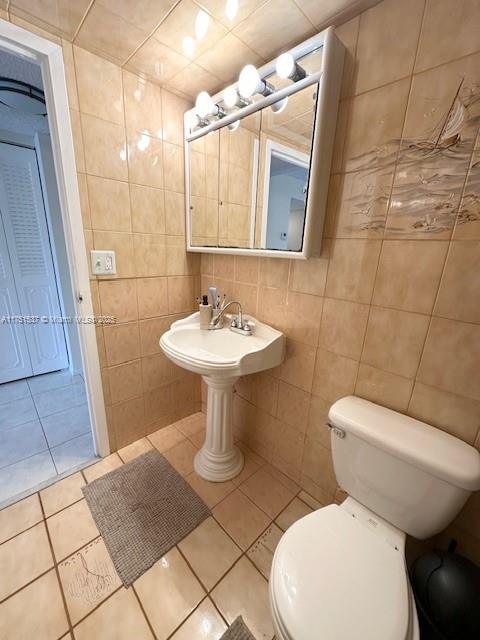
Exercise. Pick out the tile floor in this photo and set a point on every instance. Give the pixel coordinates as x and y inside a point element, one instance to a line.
<point>55,565</point>
<point>44,431</point>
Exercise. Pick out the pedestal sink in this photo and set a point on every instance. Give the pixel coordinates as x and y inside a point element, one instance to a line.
<point>221,357</point>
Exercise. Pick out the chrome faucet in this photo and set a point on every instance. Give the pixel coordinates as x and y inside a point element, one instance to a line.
<point>237,323</point>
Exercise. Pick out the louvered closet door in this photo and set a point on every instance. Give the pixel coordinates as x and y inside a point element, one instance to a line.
<point>14,358</point>
<point>25,225</point>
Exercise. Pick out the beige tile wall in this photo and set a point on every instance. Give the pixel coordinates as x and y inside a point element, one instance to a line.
<point>390,311</point>
<point>128,137</point>
<point>130,160</point>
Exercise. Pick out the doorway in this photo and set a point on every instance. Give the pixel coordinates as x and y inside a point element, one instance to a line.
<point>52,414</point>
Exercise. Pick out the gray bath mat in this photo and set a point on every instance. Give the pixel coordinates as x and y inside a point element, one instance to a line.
<point>238,631</point>
<point>142,510</point>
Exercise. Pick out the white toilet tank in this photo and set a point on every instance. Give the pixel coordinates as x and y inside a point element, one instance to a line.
<point>409,473</point>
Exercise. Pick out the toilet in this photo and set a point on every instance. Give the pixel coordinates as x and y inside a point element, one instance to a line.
<point>340,573</point>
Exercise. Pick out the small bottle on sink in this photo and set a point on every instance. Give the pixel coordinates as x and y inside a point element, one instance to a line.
<point>205,310</point>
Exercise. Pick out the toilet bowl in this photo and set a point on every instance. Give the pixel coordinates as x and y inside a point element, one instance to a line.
<point>340,573</point>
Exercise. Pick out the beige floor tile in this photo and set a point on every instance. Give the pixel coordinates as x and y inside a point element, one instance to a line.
<point>181,457</point>
<point>20,516</point>
<point>24,558</point>
<point>119,618</point>
<point>71,529</point>
<point>241,519</point>
<point>267,492</point>
<point>205,623</point>
<point>282,478</point>
<point>198,439</point>
<point>180,593</point>
<point>261,552</point>
<point>99,469</point>
<point>310,500</point>
<point>34,612</point>
<point>62,494</point>
<point>293,512</point>
<point>135,449</point>
<point>191,425</point>
<point>166,438</point>
<point>252,464</point>
<point>244,592</point>
<point>211,492</point>
<point>210,552</point>
<point>88,577</point>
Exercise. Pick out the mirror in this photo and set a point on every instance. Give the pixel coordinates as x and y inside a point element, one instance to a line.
<point>238,182</point>
<point>204,189</point>
<point>284,168</point>
<point>257,174</point>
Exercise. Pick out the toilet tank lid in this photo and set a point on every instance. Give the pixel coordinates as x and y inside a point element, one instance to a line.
<point>423,446</point>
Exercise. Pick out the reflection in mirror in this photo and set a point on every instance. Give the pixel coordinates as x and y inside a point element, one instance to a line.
<point>285,148</point>
<point>238,182</point>
<point>204,189</point>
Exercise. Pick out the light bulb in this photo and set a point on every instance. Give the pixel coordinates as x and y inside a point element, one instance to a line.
<point>201,24</point>
<point>285,65</point>
<point>193,121</point>
<point>204,105</point>
<point>249,81</point>
<point>231,9</point>
<point>278,107</point>
<point>230,97</point>
<point>188,46</point>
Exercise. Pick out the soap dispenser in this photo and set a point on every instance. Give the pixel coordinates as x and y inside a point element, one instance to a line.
<point>205,310</point>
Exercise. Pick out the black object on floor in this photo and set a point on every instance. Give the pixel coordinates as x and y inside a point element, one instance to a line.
<point>447,593</point>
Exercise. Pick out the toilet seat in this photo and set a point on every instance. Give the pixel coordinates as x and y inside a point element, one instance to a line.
<point>336,577</point>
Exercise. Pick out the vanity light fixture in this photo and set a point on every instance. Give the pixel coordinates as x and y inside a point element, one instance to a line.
<point>201,24</point>
<point>287,68</point>
<point>195,122</point>
<point>205,106</point>
<point>231,9</point>
<point>231,99</point>
<point>250,83</point>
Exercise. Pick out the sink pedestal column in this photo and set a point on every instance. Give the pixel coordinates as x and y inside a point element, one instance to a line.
<point>219,459</point>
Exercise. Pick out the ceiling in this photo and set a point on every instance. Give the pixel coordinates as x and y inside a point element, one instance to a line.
<point>146,36</point>
<point>14,120</point>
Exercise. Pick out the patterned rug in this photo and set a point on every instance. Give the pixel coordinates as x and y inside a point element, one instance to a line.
<point>142,510</point>
<point>238,631</point>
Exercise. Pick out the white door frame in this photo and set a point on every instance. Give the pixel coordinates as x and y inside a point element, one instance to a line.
<point>294,156</point>
<point>50,58</point>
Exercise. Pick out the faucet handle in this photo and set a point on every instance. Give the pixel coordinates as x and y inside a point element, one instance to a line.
<point>243,328</point>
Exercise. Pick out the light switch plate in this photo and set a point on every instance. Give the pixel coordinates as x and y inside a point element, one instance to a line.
<point>103,263</point>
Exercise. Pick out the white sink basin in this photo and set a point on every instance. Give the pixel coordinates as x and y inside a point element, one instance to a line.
<point>221,357</point>
<point>222,352</point>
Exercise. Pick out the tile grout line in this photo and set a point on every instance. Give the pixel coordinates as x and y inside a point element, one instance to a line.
<point>57,573</point>
<point>142,609</point>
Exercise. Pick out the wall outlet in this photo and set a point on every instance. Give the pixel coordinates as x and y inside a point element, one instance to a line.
<point>103,263</point>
